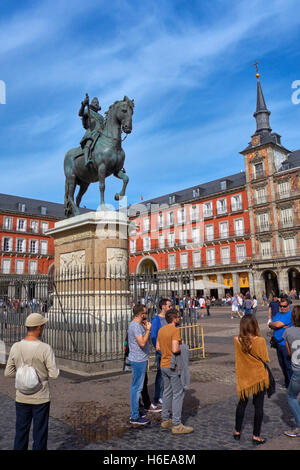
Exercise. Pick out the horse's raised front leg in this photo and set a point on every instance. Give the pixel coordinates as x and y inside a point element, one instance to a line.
<point>101,175</point>
<point>122,176</point>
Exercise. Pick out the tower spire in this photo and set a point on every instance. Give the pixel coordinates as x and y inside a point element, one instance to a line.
<point>262,113</point>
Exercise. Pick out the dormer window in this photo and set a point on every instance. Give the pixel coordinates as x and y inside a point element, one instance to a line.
<point>21,207</point>
<point>172,199</point>
<point>196,192</point>
<point>223,185</point>
<point>43,210</point>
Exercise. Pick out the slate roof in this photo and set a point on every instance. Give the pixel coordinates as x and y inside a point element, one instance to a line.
<point>292,161</point>
<point>55,210</point>
<point>205,190</point>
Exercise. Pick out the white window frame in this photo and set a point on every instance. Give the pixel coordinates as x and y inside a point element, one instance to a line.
<point>181,215</point>
<point>172,265</point>
<point>34,226</point>
<point>7,223</point>
<point>263,222</point>
<point>222,206</point>
<point>239,231</point>
<point>161,240</point>
<point>183,237</point>
<point>36,246</point>
<point>21,221</point>
<point>23,249</point>
<point>266,249</point>
<point>225,259</point>
<point>19,262</point>
<point>146,243</point>
<point>6,262</point>
<point>195,235</point>
<point>236,202</point>
<point>210,260</point>
<point>30,264</point>
<point>224,233</point>
<point>240,258</point>
<point>133,245</point>
<point>197,259</point>
<point>9,246</point>
<point>171,238</point>
<point>184,261</point>
<point>208,209</point>
<point>209,236</point>
<point>290,246</point>
<point>194,213</point>
<point>42,250</point>
<point>284,189</point>
<point>287,217</point>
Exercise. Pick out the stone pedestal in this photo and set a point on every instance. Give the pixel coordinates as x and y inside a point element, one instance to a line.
<point>91,264</point>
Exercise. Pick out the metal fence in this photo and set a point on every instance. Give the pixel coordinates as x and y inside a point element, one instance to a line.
<point>89,311</point>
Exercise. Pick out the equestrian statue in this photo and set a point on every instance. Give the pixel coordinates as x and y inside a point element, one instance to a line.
<point>100,153</point>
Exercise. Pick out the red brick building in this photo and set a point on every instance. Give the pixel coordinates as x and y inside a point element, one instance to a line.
<point>240,232</point>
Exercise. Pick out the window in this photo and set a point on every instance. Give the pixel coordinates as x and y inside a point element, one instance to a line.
<point>146,224</point>
<point>34,226</point>
<point>44,227</point>
<point>170,218</point>
<point>160,220</point>
<point>196,192</point>
<point>265,249</point>
<point>7,244</point>
<point>240,253</point>
<point>197,259</point>
<point>284,189</point>
<point>289,246</point>
<point>194,213</point>
<point>223,229</point>
<point>209,232</point>
<point>172,261</point>
<point>171,239</point>
<point>261,195</point>
<point>195,235</point>
<point>33,267</point>
<point>8,223</point>
<point>223,185</point>
<point>132,246</point>
<point>183,237</point>
<point>236,202</point>
<point>161,240</point>
<point>208,209</point>
<point>263,222</point>
<point>239,227</point>
<point>44,247</point>
<point>225,254</point>
<point>20,245</point>
<point>33,246</point>
<point>19,266</point>
<point>21,207</point>
<point>183,260</point>
<point>21,225</point>
<point>221,206</point>
<point>146,243</point>
<point>43,210</point>
<point>172,199</point>
<point>210,257</point>
<point>286,217</point>
<point>258,170</point>
<point>6,266</point>
<point>181,216</point>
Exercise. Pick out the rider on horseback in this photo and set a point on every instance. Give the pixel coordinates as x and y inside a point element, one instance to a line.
<point>93,122</point>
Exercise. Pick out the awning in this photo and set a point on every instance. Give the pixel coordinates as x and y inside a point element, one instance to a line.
<point>199,284</point>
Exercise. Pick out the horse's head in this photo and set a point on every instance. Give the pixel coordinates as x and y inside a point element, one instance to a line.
<point>124,112</point>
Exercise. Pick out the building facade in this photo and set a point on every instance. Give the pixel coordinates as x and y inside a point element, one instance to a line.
<point>236,234</point>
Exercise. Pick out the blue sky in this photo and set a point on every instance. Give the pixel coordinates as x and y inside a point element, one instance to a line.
<point>187,64</point>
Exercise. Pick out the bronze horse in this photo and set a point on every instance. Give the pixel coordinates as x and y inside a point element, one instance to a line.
<point>108,158</point>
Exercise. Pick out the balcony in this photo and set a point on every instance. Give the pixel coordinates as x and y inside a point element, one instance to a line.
<point>236,207</point>
<point>259,174</point>
<point>221,210</point>
<point>207,213</point>
<point>287,222</point>
<point>263,228</point>
<point>260,200</point>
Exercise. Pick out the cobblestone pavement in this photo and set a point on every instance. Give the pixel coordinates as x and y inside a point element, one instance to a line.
<point>93,413</point>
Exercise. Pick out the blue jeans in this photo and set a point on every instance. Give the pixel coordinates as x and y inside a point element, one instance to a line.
<point>138,377</point>
<point>158,379</point>
<point>292,394</point>
<point>26,413</point>
<point>284,360</point>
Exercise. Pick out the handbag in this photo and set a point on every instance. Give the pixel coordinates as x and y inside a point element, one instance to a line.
<point>272,384</point>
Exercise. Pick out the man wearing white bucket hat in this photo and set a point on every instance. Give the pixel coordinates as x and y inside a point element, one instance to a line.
<point>29,360</point>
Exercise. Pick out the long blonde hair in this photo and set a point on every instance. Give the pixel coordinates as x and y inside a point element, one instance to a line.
<point>248,326</point>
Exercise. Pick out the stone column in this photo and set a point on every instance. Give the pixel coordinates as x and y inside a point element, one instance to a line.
<point>235,283</point>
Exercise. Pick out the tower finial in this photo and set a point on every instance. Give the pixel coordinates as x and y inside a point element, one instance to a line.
<point>256,67</point>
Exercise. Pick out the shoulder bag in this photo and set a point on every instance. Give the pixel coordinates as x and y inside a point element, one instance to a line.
<point>272,385</point>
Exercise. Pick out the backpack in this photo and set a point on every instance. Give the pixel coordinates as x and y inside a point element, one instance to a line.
<point>27,380</point>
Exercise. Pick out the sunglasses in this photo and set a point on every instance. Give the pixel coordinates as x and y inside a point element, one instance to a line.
<point>283,306</point>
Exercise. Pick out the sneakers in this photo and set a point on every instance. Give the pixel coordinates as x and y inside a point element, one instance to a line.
<point>160,401</point>
<point>154,408</point>
<point>143,413</point>
<point>293,432</point>
<point>140,421</point>
<point>166,425</point>
<point>181,429</point>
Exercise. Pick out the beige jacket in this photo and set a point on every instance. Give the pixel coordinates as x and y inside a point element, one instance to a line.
<point>43,360</point>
